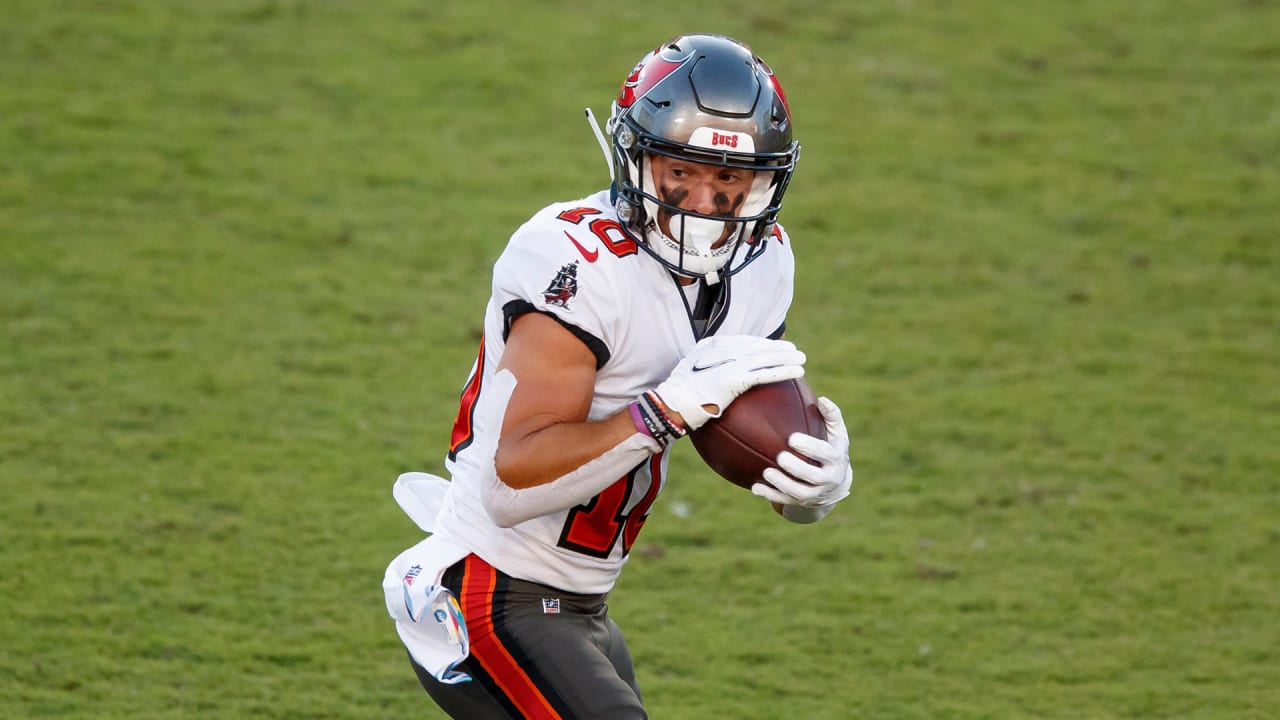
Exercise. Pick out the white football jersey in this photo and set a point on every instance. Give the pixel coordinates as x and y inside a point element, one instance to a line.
<point>573,261</point>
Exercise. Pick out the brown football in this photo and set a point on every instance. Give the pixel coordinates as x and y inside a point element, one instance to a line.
<point>748,436</point>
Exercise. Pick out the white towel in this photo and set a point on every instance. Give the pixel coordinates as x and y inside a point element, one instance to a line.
<point>421,495</point>
<point>428,618</point>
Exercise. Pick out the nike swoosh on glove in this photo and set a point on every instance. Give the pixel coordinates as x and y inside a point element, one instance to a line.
<point>720,368</point>
<point>806,491</point>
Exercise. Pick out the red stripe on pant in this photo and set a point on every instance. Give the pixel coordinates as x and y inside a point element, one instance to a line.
<point>478,580</point>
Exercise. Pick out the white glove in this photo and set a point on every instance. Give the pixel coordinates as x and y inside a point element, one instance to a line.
<point>807,492</point>
<point>720,368</point>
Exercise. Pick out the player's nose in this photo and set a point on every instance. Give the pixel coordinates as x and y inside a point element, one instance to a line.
<point>701,197</point>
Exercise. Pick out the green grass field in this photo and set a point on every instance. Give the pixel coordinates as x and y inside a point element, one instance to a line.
<point>244,249</point>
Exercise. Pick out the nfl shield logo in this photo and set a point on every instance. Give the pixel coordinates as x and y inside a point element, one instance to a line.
<point>550,606</point>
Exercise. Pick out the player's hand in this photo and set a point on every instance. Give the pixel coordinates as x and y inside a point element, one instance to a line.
<point>720,368</point>
<point>807,492</point>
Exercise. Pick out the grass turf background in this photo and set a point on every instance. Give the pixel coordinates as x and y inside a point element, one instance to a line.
<point>244,247</point>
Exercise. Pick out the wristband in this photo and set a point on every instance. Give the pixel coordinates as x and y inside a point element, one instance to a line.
<point>661,408</point>
<point>640,421</point>
<point>650,420</point>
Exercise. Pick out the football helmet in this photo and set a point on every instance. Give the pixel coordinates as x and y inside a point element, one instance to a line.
<point>707,99</point>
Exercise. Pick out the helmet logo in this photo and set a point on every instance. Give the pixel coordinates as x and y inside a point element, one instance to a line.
<point>647,73</point>
<point>714,139</point>
<point>718,139</point>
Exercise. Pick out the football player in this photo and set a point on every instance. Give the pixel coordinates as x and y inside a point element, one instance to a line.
<point>617,323</point>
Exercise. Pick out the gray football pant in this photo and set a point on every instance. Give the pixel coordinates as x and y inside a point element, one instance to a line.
<point>536,652</point>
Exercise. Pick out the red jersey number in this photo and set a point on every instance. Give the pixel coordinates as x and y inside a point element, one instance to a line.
<point>610,232</point>
<point>593,528</point>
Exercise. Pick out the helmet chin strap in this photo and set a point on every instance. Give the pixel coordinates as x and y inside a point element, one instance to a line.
<point>701,234</point>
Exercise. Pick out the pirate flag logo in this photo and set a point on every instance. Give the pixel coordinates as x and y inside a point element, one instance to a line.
<point>563,286</point>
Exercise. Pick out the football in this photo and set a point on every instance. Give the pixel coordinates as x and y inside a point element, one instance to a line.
<point>748,436</point>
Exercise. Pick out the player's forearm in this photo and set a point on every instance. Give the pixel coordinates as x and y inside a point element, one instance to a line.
<point>563,465</point>
<point>528,458</point>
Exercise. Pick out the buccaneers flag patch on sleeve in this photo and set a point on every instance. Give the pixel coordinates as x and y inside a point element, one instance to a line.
<point>563,286</point>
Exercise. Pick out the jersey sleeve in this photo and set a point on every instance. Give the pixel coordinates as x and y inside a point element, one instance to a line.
<point>782,268</point>
<point>543,270</point>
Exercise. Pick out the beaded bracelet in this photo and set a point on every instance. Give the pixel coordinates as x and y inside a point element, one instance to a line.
<point>661,407</point>
<point>649,418</point>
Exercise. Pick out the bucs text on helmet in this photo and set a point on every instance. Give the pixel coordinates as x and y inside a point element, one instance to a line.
<point>706,99</point>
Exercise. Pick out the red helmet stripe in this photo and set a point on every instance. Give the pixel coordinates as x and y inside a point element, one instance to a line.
<point>777,86</point>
